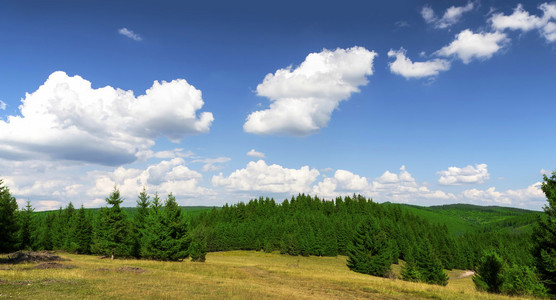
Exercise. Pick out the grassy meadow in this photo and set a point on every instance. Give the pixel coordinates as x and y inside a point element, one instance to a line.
<point>225,275</point>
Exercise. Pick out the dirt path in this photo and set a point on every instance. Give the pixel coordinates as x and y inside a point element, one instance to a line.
<point>466,274</point>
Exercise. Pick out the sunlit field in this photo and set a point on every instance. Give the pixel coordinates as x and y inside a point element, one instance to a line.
<point>234,274</point>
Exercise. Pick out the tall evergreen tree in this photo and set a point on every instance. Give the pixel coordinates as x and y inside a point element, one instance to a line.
<point>429,265</point>
<point>544,237</point>
<point>114,228</point>
<point>165,237</point>
<point>176,240</point>
<point>153,235</point>
<point>67,229</point>
<point>26,226</point>
<point>370,251</point>
<point>139,221</point>
<point>8,220</point>
<point>489,273</point>
<point>82,232</point>
<point>410,272</point>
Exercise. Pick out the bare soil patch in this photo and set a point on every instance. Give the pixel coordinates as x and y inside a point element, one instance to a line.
<point>30,256</point>
<point>130,269</point>
<point>52,265</point>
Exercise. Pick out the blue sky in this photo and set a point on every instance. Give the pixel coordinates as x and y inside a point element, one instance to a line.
<point>421,102</point>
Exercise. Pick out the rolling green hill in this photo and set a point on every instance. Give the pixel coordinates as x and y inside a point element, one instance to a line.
<point>462,218</point>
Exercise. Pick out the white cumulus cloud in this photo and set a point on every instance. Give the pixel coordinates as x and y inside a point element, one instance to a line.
<point>405,67</point>
<point>303,98</point>
<point>67,119</point>
<point>466,175</point>
<point>167,176</point>
<point>521,20</point>
<point>254,153</point>
<point>468,45</point>
<point>451,16</point>
<point>130,34</point>
<point>258,176</point>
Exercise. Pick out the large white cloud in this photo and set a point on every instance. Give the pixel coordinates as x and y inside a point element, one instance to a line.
<point>303,99</point>
<point>167,176</point>
<point>451,16</point>
<point>521,197</point>
<point>466,175</point>
<point>468,45</point>
<point>405,67</point>
<point>520,19</point>
<point>343,182</point>
<point>258,176</point>
<point>67,119</point>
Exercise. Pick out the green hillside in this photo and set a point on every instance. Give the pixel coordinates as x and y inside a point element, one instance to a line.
<point>461,218</point>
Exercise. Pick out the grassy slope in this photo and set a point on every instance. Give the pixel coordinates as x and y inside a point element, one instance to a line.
<point>461,218</point>
<point>234,274</point>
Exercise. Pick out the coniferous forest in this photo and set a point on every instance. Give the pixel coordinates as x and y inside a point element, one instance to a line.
<point>517,257</point>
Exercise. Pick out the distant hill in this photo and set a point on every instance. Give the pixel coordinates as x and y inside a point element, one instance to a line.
<point>461,218</point>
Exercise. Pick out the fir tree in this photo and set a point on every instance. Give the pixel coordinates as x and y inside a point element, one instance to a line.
<point>114,228</point>
<point>8,220</point>
<point>410,272</point>
<point>26,227</point>
<point>82,231</point>
<point>139,221</point>
<point>429,265</point>
<point>197,250</point>
<point>370,251</point>
<point>176,240</point>
<point>489,273</point>
<point>153,235</point>
<point>544,237</point>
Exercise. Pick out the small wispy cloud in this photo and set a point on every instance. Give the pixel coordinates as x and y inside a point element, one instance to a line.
<point>254,153</point>
<point>2,105</point>
<point>130,34</point>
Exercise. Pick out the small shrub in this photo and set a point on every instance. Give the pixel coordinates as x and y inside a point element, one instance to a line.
<point>521,280</point>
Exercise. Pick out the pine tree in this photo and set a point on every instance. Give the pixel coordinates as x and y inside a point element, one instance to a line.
<point>67,229</point>
<point>139,221</point>
<point>544,237</point>
<point>176,240</point>
<point>82,232</point>
<point>410,272</point>
<point>489,273</point>
<point>197,250</point>
<point>370,250</point>
<point>429,265</point>
<point>8,220</point>
<point>153,235</point>
<point>114,228</point>
<point>26,227</point>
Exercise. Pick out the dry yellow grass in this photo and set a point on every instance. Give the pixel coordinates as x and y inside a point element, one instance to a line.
<point>225,275</point>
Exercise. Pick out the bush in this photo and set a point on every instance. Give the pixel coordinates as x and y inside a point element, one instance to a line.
<point>521,280</point>
<point>197,251</point>
<point>489,273</point>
